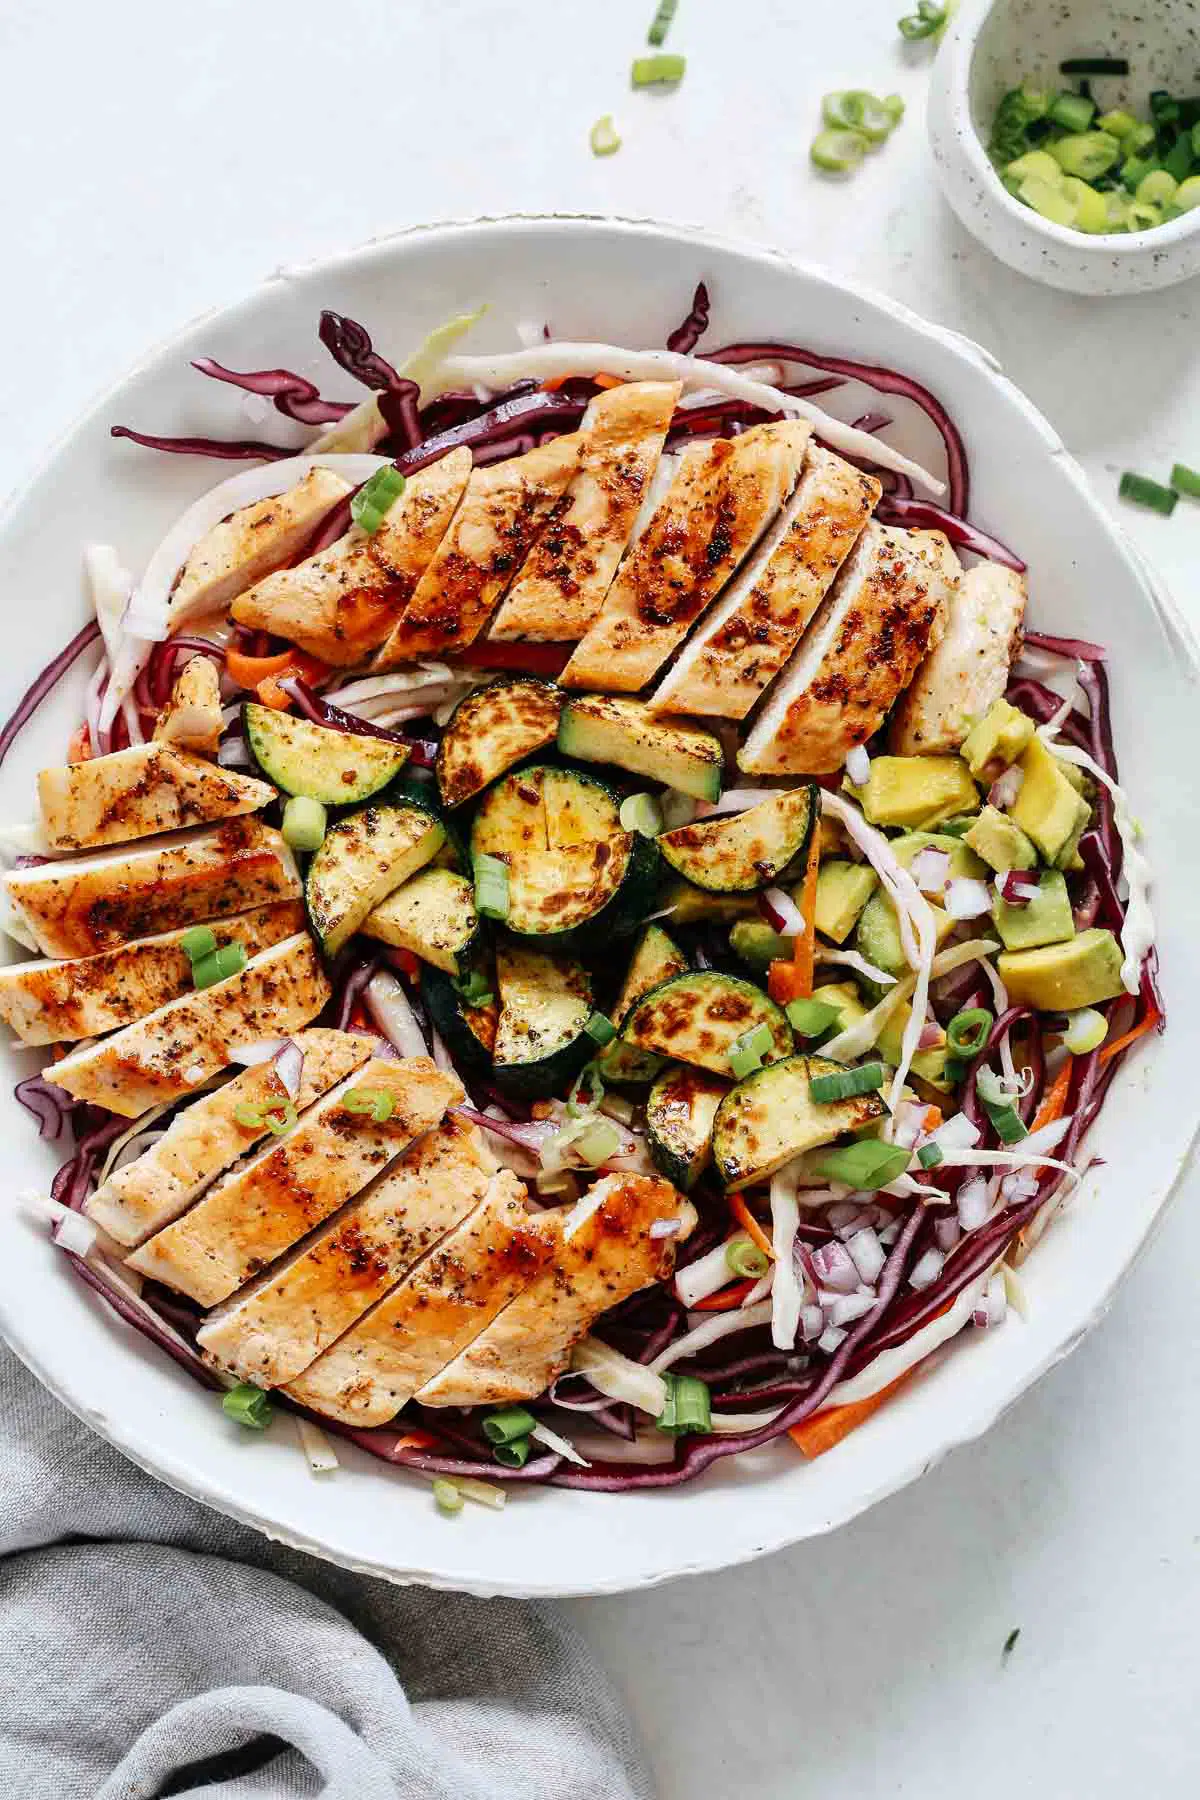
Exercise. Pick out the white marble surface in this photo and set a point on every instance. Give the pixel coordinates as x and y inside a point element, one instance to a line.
<point>160,160</point>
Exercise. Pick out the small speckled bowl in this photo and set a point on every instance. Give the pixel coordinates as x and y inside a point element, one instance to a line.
<point>993,45</point>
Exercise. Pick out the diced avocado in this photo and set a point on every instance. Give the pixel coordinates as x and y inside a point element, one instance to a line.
<point>1069,857</point>
<point>1046,919</point>
<point>688,905</point>
<point>929,1064</point>
<point>1063,977</point>
<point>964,864</point>
<point>878,934</point>
<point>917,790</point>
<point>831,839</point>
<point>1047,807</point>
<point>845,996</point>
<point>757,944</point>
<point>996,740</point>
<point>999,842</point>
<point>843,889</point>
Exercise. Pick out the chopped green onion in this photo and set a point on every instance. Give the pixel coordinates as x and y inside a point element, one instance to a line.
<point>1094,65</point>
<point>688,1406</point>
<point>746,1259</point>
<point>658,71</point>
<point>1118,123</point>
<point>603,138</point>
<point>1186,481</point>
<point>928,21</point>
<point>229,960</point>
<point>1009,1126</point>
<point>855,109</point>
<point>514,1454</point>
<point>1087,154</point>
<point>198,943</point>
<point>447,1496</point>
<point>1188,196</point>
<point>590,1075</point>
<point>660,24</point>
<point>1177,163</point>
<point>376,1101</point>
<point>473,989</point>
<point>511,1422</point>
<point>1144,492</point>
<point>600,1028</point>
<point>1072,111</point>
<point>955,1068</point>
<point>595,1145</point>
<point>304,823</point>
<point>247,1405</point>
<point>249,1116</point>
<point>641,813</point>
<point>491,887</point>
<point>484,1493</point>
<point>1086,1030</point>
<point>846,1083</point>
<point>809,1018</point>
<point>1135,169</point>
<point>1164,109</point>
<point>746,1053</point>
<point>280,1119</point>
<point>967,1032</point>
<point>930,1155</point>
<point>867,1164</point>
<point>375,499</point>
<point>838,151</point>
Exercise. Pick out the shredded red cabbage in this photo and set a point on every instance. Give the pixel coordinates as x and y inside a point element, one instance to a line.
<point>49,678</point>
<point>350,346</point>
<point>690,330</point>
<point>1079,648</point>
<point>290,394</point>
<point>923,515</point>
<point>226,449</point>
<point>50,1105</point>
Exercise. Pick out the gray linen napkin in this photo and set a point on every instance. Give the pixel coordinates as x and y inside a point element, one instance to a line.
<point>150,1647</point>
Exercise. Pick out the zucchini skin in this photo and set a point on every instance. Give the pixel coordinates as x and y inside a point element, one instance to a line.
<point>697,1017</point>
<point>460,782</point>
<point>696,851</point>
<point>681,1157</point>
<point>317,762</point>
<point>447,1013</point>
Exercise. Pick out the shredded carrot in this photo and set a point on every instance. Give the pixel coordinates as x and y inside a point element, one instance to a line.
<point>933,1117</point>
<point>415,1440</point>
<point>750,1224</point>
<point>794,980</point>
<point>262,674</point>
<point>79,749</point>
<point>726,1300</point>
<point>608,381</point>
<point>248,671</point>
<point>1132,1036</point>
<point>1054,1105</point>
<point>553,382</point>
<point>410,964</point>
<point>825,1429</point>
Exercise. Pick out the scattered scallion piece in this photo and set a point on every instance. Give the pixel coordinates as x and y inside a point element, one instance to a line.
<point>275,1119</point>
<point>1086,1030</point>
<point>930,1155</point>
<point>746,1259</point>
<point>484,1493</point>
<point>867,1164</point>
<point>511,1422</point>
<point>746,1053</point>
<point>1094,65</point>
<point>688,1406</point>
<point>1006,1120</point>
<point>1145,492</point>
<point>378,1102</point>
<point>513,1454</point>
<point>1186,481</point>
<point>249,1116</point>
<point>304,823</point>
<point>846,1083</point>
<point>474,989</point>
<point>660,24</point>
<point>838,152</point>
<point>447,1496</point>
<point>595,1145</point>
<point>229,960</point>
<point>491,887</point>
<point>929,20</point>
<point>370,506</point>
<point>603,138</point>
<point>641,813</point>
<point>658,71</point>
<point>809,1018</point>
<point>589,1077</point>
<point>198,943</point>
<point>600,1029</point>
<point>248,1405</point>
<point>967,1032</point>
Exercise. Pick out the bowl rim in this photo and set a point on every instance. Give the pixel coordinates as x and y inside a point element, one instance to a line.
<point>976,1411</point>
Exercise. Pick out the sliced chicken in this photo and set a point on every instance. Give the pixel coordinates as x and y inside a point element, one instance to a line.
<point>503,509</point>
<point>250,543</point>
<point>886,608</point>
<point>259,1210</point>
<point>171,1051</point>
<point>341,603</point>
<point>606,1254</point>
<point>55,1002</point>
<point>141,792</point>
<point>276,1327</point>
<point>749,635</point>
<point>968,671</point>
<point>568,572</point>
<point>724,496</point>
<point>207,1137</point>
<point>191,719</point>
<point>89,903</point>
<point>435,1312</point>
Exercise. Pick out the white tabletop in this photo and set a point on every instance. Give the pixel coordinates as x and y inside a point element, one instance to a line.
<point>159,161</point>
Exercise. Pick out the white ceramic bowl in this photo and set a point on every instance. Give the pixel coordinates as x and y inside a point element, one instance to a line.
<point>630,282</point>
<point>994,45</point>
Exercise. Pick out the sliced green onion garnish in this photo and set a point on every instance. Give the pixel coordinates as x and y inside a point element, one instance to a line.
<point>928,20</point>
<point>474,989</point>
<point>375,499</point>
<point>1118,123</point>
<point>846,1083</point>
<point>809,1018</point>
<point>595,1145</point>
<point>838,151</point>
<point>1094,65</point>
<point>688,1406</point>
<point>1157,188</point>
<point>247,1405</point>
<point>513,1454</point>
<point>1009,1127</point>
<point>447,1496</point>
<point>1086,1031</point>
<point>484,1493</point>
<point>867,1164</point>
<point>589,1077</point>
<point>658,71</point>
<point>229,960</point>
<point>967,1032</point>
<point>930,1155</point>
<point>249,1116</point>
<point>304,823</point>
<point>279,1119</point>
<point>603,138</point>
<point>1144,492</point>
<point>747,1052</point>
<point>660,24</point>
<point>511,1422</point>
<point>491,887</point>
<point>376,1101</point>
<point>1186,481</point>
<point>641,813</point>
<point>746,1259</point>
<point>198,943</point>
<point>600,1028</point>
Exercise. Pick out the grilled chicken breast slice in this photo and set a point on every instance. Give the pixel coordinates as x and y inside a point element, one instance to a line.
<point>250,543</point>
<point>968,671</point>
<point>170,1052</point>
<point>191,719</point>
<point>606,1253</point>
<point>342,603</point>
<point>724,496</point>
<point>502,511</point>
<point>78,997</point>
<point>435,1312</point>
<point>206,1138</point>
<point>141,792</point>
<point>741,646</point>
<point>568,572</point>
<point>272,1330</point>
<point>886,608</point>
<point>258,1211</point>
<point>85,904</point>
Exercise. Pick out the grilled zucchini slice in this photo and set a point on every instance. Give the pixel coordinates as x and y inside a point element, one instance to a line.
<point>625,733</point>
<point>492,730</point>
<point>574,876</point>
<point>680,1110</point>
<point>697,1018</point>
<point>542,1040</point>
<point>338,768</point>
<point>769,1118</point>
<point>688,905</point>
<point>433,915</point>
<point>363,858</point>
<point>656,957</point>
<point>739,852</point>
<point>469,1032</point>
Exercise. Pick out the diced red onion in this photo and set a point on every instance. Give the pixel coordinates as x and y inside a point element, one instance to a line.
<point>1017,1187</point>
<point>967,899</point>
<point>931,1035</point>
<point>991,1308</point>
<point>930,869</point>
<point>957,1133</point>
<point>75,1233</point>
<point>843,1215</point>
<point>830,1338</point>
<point>922,515</point>
<point>260,1051</point>
<point>858,766</point>
<point>1006,787</point>
<point>531,1136</point>
<point>49,678</point>
<point>233,754</point>
<point>289,1066</point>
<point>947,1233</point>
<point>388,1005</point>
<point>867,1255</point>
<point>973,1203</point>
<point>812,1322</point>
<point>1017,887</point>
<point>835,1268</point>
<point>787,918</point>
<point>926,1269</point>
<point>848,1307</point>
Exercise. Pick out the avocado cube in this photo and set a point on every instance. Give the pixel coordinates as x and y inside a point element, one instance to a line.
<point>878,935</point>
<point>1046,919</point>
<point>845,996</point>
<point>757,944</point>
<point>963,861</point>
<point>1069,857</point>
<point>1063,977</point>
<point>690,905</point>
<point>929,1064</point>
<point>843,889</point>
<point>917,790</point>
<point>1001,843</point>
<point>1047,808</point>
<point>996,740</point>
